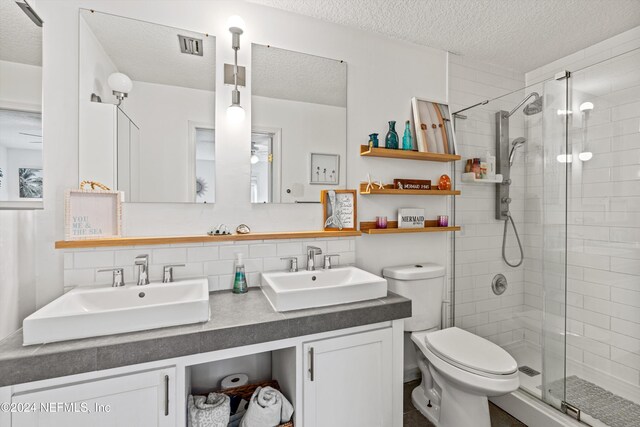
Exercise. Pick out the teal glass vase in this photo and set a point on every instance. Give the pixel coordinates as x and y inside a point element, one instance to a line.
<point>407,141</point>
<point>373,140</point>
<point>392,139</point>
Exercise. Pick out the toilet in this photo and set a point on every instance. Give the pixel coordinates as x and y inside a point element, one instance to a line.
<point>460,370</point>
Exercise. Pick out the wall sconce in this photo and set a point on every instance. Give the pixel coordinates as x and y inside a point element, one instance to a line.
<point>235,112</point>
<point>120,85</point>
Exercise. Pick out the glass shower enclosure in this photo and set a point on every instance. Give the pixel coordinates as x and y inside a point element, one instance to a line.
<point>570,313</point>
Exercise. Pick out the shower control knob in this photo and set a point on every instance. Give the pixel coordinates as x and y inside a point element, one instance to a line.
<point>506,200</point>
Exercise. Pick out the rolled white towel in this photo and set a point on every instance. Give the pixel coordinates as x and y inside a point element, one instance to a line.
<point>210,411</point>
<point>267,408</point>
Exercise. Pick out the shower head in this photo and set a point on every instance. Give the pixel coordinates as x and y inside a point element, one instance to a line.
<point>517,143</point>
<point>534,107</point>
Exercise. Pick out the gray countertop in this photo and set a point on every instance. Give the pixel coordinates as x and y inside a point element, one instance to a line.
<point>236,320</point>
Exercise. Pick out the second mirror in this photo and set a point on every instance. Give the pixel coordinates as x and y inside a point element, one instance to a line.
<point>299,126</point>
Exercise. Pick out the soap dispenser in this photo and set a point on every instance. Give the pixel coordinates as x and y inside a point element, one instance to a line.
<point>240,280</point>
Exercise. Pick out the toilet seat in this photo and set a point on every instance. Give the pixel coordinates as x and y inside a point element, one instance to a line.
<point>470,352</point>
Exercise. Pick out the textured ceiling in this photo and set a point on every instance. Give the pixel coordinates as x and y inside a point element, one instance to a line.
<point>151,52</point>
<point>20,38</point>
<point>15,124</point>
<point>284,74</point>
<point>519,34</point>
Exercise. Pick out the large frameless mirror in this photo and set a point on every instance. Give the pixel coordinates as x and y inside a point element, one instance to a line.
<point>147,109</point>
<point>21,170</point>
<point>299,125</point>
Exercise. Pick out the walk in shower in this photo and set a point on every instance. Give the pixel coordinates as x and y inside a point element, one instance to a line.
<point>570,315</point>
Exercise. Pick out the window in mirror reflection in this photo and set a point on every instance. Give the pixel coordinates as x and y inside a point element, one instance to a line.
<point>21,172</point>
<point>150,132</point>
<point>299,107</point>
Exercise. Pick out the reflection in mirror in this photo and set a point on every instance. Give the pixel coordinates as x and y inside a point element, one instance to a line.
<point>299,125</point>
<point>147,109</point>
<point>21,173</point>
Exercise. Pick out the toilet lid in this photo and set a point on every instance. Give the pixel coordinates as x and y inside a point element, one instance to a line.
<point>471,351</point>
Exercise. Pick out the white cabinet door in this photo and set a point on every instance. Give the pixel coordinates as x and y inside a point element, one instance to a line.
<point>347,381</point>
<point>144,399</point>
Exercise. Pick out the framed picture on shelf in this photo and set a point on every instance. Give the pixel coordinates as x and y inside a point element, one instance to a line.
<point>92,214</point>
<point>433,127</point>
<point>325,169</point>
<point>30,183</point>
<point>340,209</point>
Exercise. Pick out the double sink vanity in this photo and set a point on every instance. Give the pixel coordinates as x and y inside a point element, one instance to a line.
<point>141,349</point>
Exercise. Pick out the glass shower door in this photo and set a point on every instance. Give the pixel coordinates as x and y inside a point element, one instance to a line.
<point>603,242</point>
<point>555,162</point>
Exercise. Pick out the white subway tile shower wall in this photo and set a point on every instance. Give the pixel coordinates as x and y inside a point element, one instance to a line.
<point>478,254</point>
<point>212,260</point>
<point>603,286</point>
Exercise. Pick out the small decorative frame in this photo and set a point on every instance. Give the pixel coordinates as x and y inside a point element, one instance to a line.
<point>340,209</point>
<point>92,214</point>
<point>325,169</point>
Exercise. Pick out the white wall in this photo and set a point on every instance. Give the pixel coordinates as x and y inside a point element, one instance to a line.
<point>163,114</point>
<point>305,128</point>
<point>21,87</point>
<point>603,288</point>
<point>479,244</point>
<point>383,75</point>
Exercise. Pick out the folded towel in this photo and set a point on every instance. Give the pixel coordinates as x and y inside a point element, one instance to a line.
<point>267,408</point>
<point>210,411</point>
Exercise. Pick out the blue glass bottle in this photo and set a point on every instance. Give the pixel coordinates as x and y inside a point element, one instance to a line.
<point>392,139</point>
<point>373,140</point>
<point>407,141</point>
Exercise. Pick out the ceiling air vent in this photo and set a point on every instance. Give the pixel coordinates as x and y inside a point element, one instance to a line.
<point>190,46</point>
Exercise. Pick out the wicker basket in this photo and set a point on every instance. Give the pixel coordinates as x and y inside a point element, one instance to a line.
<point>246,391</point>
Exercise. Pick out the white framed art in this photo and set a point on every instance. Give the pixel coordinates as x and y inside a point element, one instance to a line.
<point>92,214</point>
<point>325,169</point>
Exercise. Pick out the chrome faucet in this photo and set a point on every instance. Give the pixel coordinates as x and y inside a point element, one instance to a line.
<point>312,251</point>
<point>142,263</point>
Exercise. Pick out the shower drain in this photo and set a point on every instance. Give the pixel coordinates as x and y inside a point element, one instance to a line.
<point>528,371</point>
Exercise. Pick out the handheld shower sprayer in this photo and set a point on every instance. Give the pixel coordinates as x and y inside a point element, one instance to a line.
<point>517,143</point>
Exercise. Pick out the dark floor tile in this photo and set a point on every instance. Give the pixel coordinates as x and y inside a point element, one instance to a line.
<point>415,419</point>
<point>500,418</point>
<point>407,389</point>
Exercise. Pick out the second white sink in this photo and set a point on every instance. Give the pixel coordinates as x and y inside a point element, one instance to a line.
<point>103,310</point>
<point>306,289</point>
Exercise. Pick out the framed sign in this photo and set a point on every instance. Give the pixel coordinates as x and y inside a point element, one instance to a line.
<point>325,169</point>
<point>340,209</point>
<point>93,214</point>
<point>410,218</point>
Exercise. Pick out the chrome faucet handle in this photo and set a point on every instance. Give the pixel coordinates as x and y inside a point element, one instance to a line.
<point>293,265</point>
<point>142,261</point>
<point>118,276</point>
<point>327,261</point>
<point>167,272</point>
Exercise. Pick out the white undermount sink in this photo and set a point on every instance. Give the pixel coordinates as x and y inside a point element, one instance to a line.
<point>306,289</point>
<point>93,311</point>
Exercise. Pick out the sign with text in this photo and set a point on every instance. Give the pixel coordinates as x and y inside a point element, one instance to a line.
<point>410,218</point>
<point>92,214</point>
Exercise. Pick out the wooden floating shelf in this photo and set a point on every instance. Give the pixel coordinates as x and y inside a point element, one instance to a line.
<point>369,227</point>
<point>168,240</point>
<point>388,189</point>
<point>365,151</point>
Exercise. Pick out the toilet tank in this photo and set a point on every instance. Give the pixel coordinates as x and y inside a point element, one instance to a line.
<point>423,283</point>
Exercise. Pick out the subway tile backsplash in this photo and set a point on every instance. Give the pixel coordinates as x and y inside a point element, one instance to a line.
<point>212,260</point>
